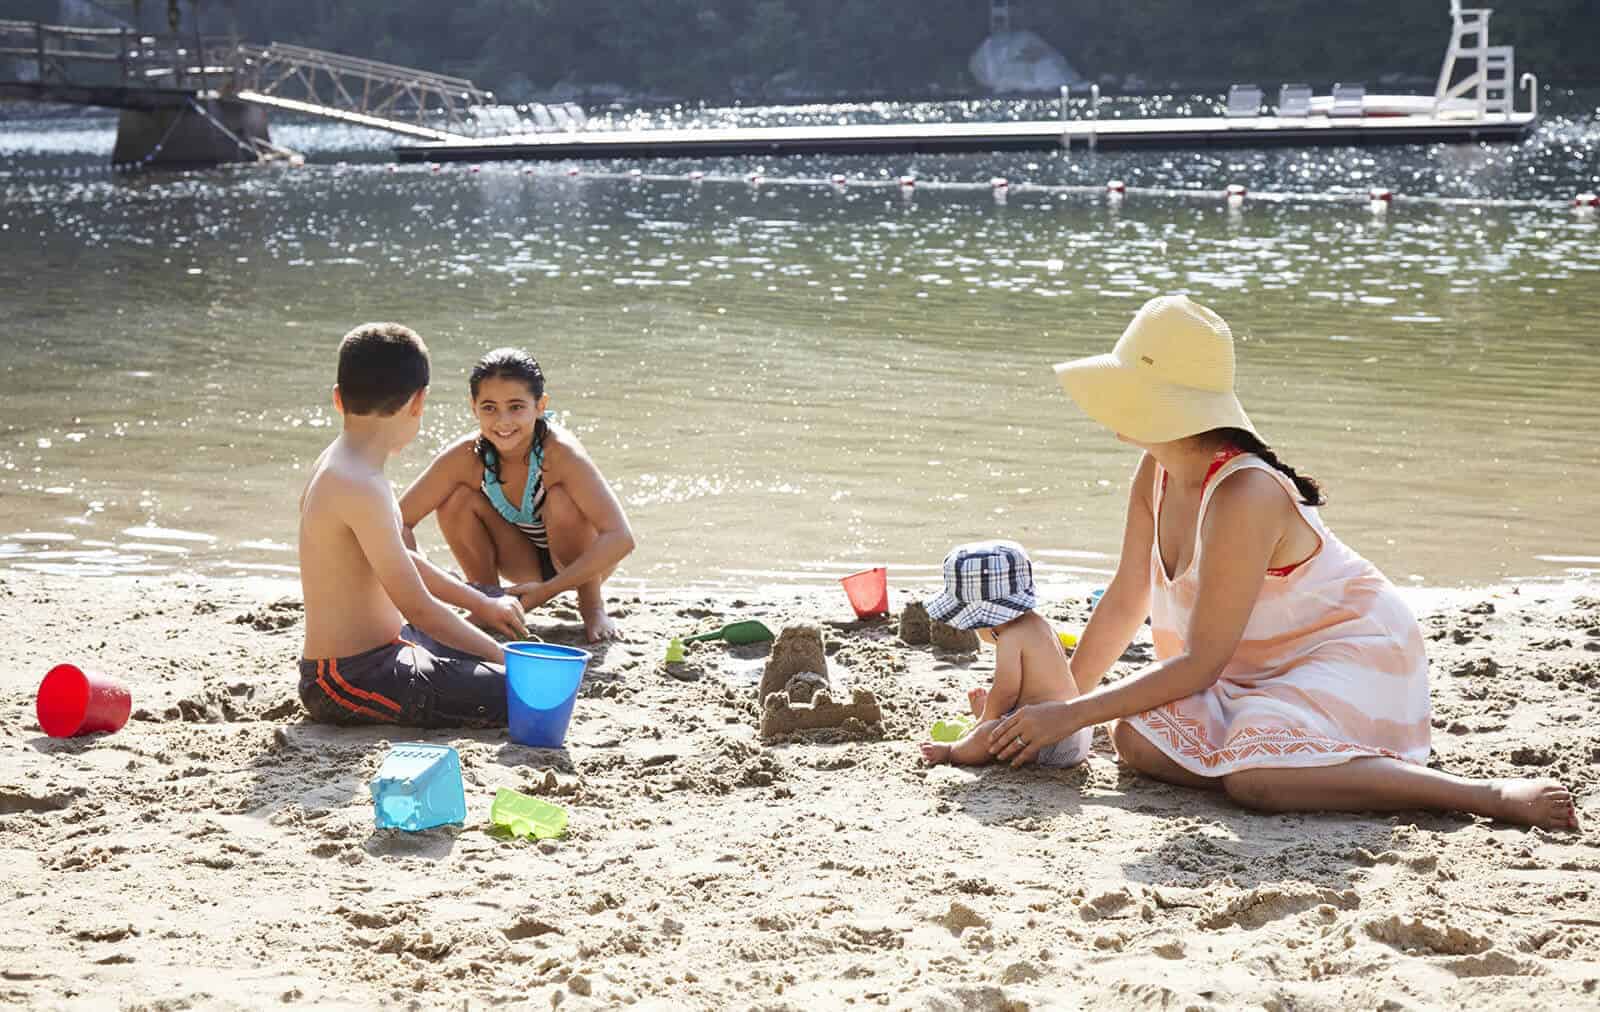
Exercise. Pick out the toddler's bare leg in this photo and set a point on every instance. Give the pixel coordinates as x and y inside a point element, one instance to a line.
<point>971,750</point>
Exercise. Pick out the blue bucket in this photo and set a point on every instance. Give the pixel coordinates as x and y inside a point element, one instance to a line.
<point>541,686</point>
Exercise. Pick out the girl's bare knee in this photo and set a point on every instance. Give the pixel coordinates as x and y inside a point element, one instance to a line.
<point>459,504</point>
<point>559,510</point>
<point>570,530</point>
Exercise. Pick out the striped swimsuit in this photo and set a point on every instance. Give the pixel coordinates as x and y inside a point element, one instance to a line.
<point>528,518</point>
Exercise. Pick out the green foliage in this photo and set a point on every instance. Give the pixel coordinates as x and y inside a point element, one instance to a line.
<point>720,48</point>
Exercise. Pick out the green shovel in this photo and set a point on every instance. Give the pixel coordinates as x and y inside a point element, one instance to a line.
<point>739,633</point>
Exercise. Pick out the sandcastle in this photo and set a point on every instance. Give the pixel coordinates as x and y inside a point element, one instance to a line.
<point>796,693</point>
<point>916,628</point>
<point>914,623</point>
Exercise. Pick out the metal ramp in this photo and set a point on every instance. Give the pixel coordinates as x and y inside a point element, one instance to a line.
<point>404,100</point>
<point>416,103</point>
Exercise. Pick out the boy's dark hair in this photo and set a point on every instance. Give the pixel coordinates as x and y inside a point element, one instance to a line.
<point>381,365</point>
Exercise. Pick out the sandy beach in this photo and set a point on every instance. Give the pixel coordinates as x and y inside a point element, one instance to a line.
<point>220,852</point>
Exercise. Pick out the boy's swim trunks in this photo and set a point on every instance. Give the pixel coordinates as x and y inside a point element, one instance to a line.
<point>415,680</point>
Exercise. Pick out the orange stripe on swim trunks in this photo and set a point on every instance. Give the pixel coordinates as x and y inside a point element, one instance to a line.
<point>333,669</point>
<point>327,690</point>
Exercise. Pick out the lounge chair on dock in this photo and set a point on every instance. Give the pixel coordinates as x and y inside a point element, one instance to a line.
<point>1348,100</point>
<point>579,117</point>
<point>1244,102</point>
<point>543,122</point>
<point>1294,101</point>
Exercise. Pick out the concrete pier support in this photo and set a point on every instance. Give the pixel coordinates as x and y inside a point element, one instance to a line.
<point>184,138</point>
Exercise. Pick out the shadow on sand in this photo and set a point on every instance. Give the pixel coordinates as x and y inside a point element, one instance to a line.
<point>1196,839</point>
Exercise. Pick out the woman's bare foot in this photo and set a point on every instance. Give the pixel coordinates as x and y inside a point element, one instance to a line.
<point>600,626</point>
<point>1543,803</point>
<point>934,753</point>
<point>977,699</point>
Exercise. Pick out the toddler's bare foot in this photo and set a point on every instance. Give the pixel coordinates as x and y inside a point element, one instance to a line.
<point>934,753</point>
<point>1543,803</point>
<point>600,626</point>
<point>977,699</point>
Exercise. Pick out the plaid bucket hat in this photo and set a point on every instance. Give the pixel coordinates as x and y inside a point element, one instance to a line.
<point>986,583</point>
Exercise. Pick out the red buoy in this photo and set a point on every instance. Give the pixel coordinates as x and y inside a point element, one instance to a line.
<point>999,183</point>
<point>1116,186</point>
<point>1586,200</point>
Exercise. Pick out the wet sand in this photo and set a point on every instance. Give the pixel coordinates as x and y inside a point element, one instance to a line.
<point>220,852</point>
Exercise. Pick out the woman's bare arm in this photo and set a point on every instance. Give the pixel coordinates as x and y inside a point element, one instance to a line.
<point>1126,603</point>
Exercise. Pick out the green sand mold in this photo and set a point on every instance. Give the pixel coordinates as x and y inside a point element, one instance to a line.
<point>950,730</point>
<point>522,816</point>
<point>738,634</point>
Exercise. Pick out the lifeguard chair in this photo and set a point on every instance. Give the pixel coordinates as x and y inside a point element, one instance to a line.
<point>1487,88</point>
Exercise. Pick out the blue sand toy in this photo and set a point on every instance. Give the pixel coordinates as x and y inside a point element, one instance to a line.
<point>419,787</point>
<point>541,686</point>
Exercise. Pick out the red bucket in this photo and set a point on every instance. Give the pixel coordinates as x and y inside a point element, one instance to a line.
<point>868,591</point>
<point>72,701</point>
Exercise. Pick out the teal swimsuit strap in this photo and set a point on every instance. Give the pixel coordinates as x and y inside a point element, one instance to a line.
<point>532,491</point>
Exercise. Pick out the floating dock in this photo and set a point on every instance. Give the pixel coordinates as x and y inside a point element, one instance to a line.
<point>932,138</point>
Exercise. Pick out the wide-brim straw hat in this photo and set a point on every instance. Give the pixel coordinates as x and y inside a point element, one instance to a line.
<point>1169,376</point>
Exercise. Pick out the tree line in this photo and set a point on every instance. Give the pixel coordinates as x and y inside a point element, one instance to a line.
<point>719,49</point>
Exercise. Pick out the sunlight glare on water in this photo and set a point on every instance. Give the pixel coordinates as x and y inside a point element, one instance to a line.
<point>786,382</point>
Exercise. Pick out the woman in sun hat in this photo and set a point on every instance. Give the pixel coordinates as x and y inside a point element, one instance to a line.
<point>1289,671</point>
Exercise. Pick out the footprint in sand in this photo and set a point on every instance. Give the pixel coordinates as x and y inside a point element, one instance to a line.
<point>1413,934</point>
<point>1267,903</point>
<point>15,802</point>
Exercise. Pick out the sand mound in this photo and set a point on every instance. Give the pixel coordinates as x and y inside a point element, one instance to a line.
<point>798,649</point>
<point>914,624</point>
<point>948,637</point>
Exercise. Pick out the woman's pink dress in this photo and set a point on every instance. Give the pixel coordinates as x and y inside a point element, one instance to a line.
<point>1331,666</point>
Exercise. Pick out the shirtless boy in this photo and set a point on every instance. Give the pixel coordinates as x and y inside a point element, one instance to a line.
<point>362,662</point>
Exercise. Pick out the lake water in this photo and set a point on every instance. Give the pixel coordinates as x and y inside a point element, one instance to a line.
<point>788,381</point>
